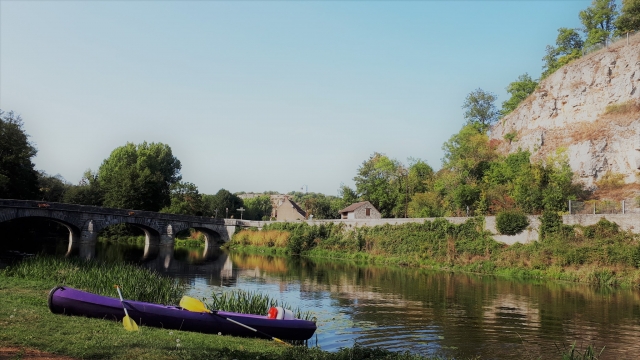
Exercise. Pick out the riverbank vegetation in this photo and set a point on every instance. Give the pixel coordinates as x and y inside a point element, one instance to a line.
<point>598,254</point>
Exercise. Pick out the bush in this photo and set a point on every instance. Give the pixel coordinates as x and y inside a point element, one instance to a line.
<point>511,222</point>
<point>550,223</point>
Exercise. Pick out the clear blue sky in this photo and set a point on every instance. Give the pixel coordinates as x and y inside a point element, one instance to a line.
<point>255,96</point>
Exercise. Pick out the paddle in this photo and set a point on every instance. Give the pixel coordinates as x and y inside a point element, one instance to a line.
<point>127,322</point>
<point>195,305</point>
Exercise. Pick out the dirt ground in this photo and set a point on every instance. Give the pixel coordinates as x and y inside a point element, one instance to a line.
<point>15,353</point>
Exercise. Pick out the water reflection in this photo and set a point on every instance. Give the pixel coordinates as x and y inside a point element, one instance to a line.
<point>409,309</point>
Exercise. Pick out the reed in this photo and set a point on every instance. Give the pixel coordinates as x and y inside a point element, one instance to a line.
<point>251,302</point>
<point>266,238</point>
<point>99,277</point>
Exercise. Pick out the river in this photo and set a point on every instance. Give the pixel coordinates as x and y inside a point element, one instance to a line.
<point>406,309</point>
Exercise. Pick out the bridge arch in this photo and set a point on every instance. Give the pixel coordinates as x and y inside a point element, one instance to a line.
<point>74,228</point>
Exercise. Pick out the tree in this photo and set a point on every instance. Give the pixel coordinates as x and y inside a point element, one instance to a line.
<point>258,208</point>
<point>139,176</point>
<point>480,108</point>
<point>568,48</point>
<point>468,152</point>
<point>378,181</point>
<point>519,91</point>
<point>224,202</point>
<point>52,188</point>
<point>598,21</point>
<point>629,19</point>
<point>87,192</point>
<point>18,178</point>
<point>185,200</point>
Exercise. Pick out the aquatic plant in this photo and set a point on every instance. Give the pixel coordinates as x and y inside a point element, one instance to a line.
<point>251,302</point>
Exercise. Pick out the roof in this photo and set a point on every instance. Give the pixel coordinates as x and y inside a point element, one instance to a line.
<point>294,206</point>
<point>354,206</point>
<point>298,208</point>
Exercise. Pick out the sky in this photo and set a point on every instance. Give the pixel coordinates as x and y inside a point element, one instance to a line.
<point>257,96</point>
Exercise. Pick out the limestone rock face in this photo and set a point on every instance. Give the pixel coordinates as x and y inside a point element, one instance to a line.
<point>591,108</point>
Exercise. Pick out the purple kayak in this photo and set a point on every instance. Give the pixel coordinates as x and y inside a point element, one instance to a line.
<point>70,301</point>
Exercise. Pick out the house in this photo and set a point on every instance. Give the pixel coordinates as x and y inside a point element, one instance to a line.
<point>285,209</point>
<point>360,210</point>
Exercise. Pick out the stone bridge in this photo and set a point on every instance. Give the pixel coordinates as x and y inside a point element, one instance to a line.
<point>85,222</point>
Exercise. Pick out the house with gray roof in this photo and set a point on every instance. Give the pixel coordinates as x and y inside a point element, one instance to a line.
<point>360,210</point>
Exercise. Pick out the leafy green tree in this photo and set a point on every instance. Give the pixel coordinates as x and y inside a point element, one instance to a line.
<point>87,192</point>
<point>52,188</point>
<point>258,208</point>
<point>479,107</point>
<point>185,200</point>
<point>139,176</point>
<point>319,205</point>
<point>426,204</point>
<point>560,187</point>
<point>378,181</point>
<point>519,91</point>
<point>224,202</point>
<point>568,47</point>
<point>629,19</point>
<point>468,152</point>
<point>598,21</point>
<point>18,178</point>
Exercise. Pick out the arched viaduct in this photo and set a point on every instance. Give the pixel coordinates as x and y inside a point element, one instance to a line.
<point>84,222</point>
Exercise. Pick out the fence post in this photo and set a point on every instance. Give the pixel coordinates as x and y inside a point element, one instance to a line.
<point>627,44</point>
<point>623,207</point>
<point>594,208</point>
<point>570,208</point>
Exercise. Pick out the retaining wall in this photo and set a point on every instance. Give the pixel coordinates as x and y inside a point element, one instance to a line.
<point>629,222</point>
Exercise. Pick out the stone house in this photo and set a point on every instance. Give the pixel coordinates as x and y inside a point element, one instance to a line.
<point>360,210</point>
<point>285,209</point>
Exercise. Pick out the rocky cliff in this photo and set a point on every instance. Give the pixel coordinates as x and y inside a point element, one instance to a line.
<point>591,108</point>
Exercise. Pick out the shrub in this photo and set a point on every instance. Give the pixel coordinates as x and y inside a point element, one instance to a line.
<point>511,222</point>
<point>550,223</point>
<point>611,180</point>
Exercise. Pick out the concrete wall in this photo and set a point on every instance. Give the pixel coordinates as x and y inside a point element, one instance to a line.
<point>629,222</point>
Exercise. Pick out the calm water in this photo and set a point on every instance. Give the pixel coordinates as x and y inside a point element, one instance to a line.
<point>409,309</point>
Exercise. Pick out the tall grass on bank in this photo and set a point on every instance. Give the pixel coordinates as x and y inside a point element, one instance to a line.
<point>251,302</point>
<point>99,277</point>
<point>265,238</point>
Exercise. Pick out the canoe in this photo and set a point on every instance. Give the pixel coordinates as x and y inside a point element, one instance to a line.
<point>70,301</point>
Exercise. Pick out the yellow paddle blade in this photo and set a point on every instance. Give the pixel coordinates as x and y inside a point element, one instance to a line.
<point>194,305</point>
<point>129,324</point>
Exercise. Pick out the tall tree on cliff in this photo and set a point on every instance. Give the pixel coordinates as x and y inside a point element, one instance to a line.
<point>480,108</point>
<point>139,176</point>
<point>598,21</point>
<point>519,91</point>
<point>568,48</point>
<point>18,178</point>
<point>629,19</point>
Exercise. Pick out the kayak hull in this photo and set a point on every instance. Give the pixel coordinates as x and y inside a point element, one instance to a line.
<point>70,301</point>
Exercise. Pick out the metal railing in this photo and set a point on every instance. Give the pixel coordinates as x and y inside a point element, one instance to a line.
<point>609,42</point>
<point>603,207</point>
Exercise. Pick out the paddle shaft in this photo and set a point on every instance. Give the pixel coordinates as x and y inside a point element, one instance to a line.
<point>249,327</point>
<point>122,301</point>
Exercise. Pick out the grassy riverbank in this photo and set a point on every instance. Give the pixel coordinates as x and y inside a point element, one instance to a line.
<point>27,323</point>
<point>599,254</point>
